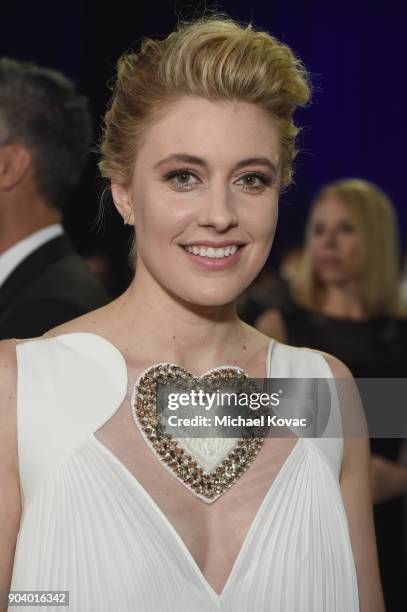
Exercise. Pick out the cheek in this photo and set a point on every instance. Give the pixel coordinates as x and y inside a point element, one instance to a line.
<point>352,248</point>
<point>159,221</point>
<point>353,255</point>
<point>314,244</point>
<point>261,221</point>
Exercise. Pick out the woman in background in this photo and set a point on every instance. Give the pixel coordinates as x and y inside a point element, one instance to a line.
<point>346,301</point>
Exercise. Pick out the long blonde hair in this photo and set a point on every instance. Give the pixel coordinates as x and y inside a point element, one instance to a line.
<point>376,223</point>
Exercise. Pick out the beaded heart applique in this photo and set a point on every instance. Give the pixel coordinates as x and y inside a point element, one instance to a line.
<point>185,458</point>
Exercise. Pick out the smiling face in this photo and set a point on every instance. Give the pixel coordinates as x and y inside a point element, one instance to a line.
<point>204,199</point>
<point>335,244</point>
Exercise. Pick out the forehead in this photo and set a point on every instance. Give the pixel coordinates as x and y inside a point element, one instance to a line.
<point>331,208</point>
<point>216,131</point>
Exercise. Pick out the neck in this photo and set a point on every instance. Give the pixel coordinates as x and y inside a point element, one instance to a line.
<point>21,219</point>
<point>343,301</point>
<point>176,332</point>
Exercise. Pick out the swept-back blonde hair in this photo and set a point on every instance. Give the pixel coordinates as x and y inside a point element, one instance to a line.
<point>212,57</point>
<point>376,224</point>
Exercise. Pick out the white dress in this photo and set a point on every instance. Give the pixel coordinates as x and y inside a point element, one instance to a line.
<point>90,528</point>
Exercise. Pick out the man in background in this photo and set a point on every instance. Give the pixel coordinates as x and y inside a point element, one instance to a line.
<point>45,135</point>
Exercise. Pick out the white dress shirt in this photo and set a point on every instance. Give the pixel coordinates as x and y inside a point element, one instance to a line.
<point>11,258</point>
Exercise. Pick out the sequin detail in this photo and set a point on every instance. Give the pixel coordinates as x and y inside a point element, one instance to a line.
<point>184,466</point>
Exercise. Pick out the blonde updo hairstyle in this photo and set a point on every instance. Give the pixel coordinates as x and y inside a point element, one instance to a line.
<point>212,57</point>
<point>375,221</point>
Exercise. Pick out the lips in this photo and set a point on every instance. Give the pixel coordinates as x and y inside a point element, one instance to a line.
<point>330,261</point>
<point>211,252</point>
<point>215,263</point>
<point>215,245</point>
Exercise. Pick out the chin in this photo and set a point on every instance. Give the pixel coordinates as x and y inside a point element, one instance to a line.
<point>212,302</point>
<point>214,299</point>
<point>332,278</point>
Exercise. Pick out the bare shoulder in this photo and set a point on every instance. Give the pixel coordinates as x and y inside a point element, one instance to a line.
<point>256,339</point>
<point>91,321</point>
<point>271,323</point>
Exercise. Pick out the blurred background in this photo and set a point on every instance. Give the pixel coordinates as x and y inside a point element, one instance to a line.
<point>356,125</point>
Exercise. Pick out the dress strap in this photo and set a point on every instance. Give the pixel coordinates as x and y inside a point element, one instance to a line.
<point>68,386</point>
<point>294,362</point>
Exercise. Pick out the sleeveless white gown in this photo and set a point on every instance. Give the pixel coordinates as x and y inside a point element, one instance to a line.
<point>90,528</point>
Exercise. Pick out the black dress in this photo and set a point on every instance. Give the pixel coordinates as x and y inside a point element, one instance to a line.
<point>371,349</point>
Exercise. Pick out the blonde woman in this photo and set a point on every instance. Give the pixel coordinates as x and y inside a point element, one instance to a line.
<point>346,301</point>
<point>198,143</point>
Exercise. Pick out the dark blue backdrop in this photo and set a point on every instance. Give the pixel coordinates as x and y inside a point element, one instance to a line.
<point>355,50</point>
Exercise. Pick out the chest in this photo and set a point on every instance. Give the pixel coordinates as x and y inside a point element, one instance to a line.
<point>213,533</point>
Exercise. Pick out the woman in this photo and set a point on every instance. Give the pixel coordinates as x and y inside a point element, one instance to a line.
<point>346,301</point>
<point>198,143</point>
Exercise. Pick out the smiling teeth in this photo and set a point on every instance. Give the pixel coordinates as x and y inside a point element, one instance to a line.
<point>211,252</point>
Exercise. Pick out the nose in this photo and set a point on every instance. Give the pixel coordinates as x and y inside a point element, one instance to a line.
<point>330,238</point>
<point>218,210</point>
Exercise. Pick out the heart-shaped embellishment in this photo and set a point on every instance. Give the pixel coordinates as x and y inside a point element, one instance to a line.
<point>205,466</point>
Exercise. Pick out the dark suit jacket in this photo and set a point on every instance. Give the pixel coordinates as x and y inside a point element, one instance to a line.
<point>51,286</point>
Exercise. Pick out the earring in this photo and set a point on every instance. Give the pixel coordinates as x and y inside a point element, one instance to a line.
<point>126,218</point>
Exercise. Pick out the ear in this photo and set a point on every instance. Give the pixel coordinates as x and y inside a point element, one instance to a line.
<point>122,201</point>
<point>15,161</point>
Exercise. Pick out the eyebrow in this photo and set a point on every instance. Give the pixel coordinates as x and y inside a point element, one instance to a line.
<point>192,159</point>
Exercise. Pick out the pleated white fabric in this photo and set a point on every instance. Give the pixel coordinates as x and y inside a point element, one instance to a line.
<point>90,528</point>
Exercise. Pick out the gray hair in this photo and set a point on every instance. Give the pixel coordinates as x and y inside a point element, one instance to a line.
<point>41,109</point>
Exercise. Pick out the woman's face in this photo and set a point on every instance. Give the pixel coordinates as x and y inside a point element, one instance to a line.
<point>334,243</point>
<point>204,199</point>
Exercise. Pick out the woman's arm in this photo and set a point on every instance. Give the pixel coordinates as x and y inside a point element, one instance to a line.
<point>356,490</point>
<point>10,506</point>
<point>388,478</point>
<point>271,323</point>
